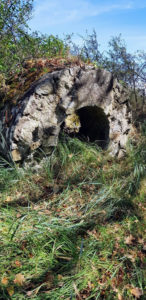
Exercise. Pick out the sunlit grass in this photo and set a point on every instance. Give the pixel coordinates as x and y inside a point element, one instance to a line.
<point>74,228</point>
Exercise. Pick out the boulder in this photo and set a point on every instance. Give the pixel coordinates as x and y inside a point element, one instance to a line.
<point>85,101</point>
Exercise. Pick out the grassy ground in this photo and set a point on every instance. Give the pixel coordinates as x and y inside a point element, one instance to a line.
<point>74,229</point>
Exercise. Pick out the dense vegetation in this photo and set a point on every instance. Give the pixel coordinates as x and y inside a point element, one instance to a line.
<point>72,226</point>
<point>18,45</point>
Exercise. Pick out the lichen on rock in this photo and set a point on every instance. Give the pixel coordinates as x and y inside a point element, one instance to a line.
<point>72,123</point>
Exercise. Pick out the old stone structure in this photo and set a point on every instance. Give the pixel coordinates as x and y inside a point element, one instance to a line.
<point>83,100</point>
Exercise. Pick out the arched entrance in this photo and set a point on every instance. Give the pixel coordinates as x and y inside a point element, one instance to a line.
<point>94,125</point>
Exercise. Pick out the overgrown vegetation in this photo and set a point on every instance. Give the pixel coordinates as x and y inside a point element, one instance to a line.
<point>72,226</point>
<point>73,229</point>
<point>18,45</point>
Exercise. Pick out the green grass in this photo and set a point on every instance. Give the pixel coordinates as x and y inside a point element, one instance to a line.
<point>74,229</point>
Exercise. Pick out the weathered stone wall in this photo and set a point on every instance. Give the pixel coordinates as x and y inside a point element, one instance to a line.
<point>36,119</point>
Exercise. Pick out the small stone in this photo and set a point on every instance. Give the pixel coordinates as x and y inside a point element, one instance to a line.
<point>16,155</point>
<point>121,154</point>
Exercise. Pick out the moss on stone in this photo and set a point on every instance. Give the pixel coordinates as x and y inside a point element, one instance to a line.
<point>12,90</point>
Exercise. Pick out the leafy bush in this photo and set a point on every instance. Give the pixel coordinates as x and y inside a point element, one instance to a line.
<point>17,45</point>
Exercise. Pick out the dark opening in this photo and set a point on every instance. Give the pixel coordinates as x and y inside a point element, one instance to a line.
<point>94,125</point>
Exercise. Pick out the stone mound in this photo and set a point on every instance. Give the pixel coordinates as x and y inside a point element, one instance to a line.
<point>81,100</point>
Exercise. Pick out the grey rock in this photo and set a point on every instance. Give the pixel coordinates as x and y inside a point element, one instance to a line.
<point>92,94</point>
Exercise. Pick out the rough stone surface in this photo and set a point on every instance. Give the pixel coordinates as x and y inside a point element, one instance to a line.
<point>56,98</point>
